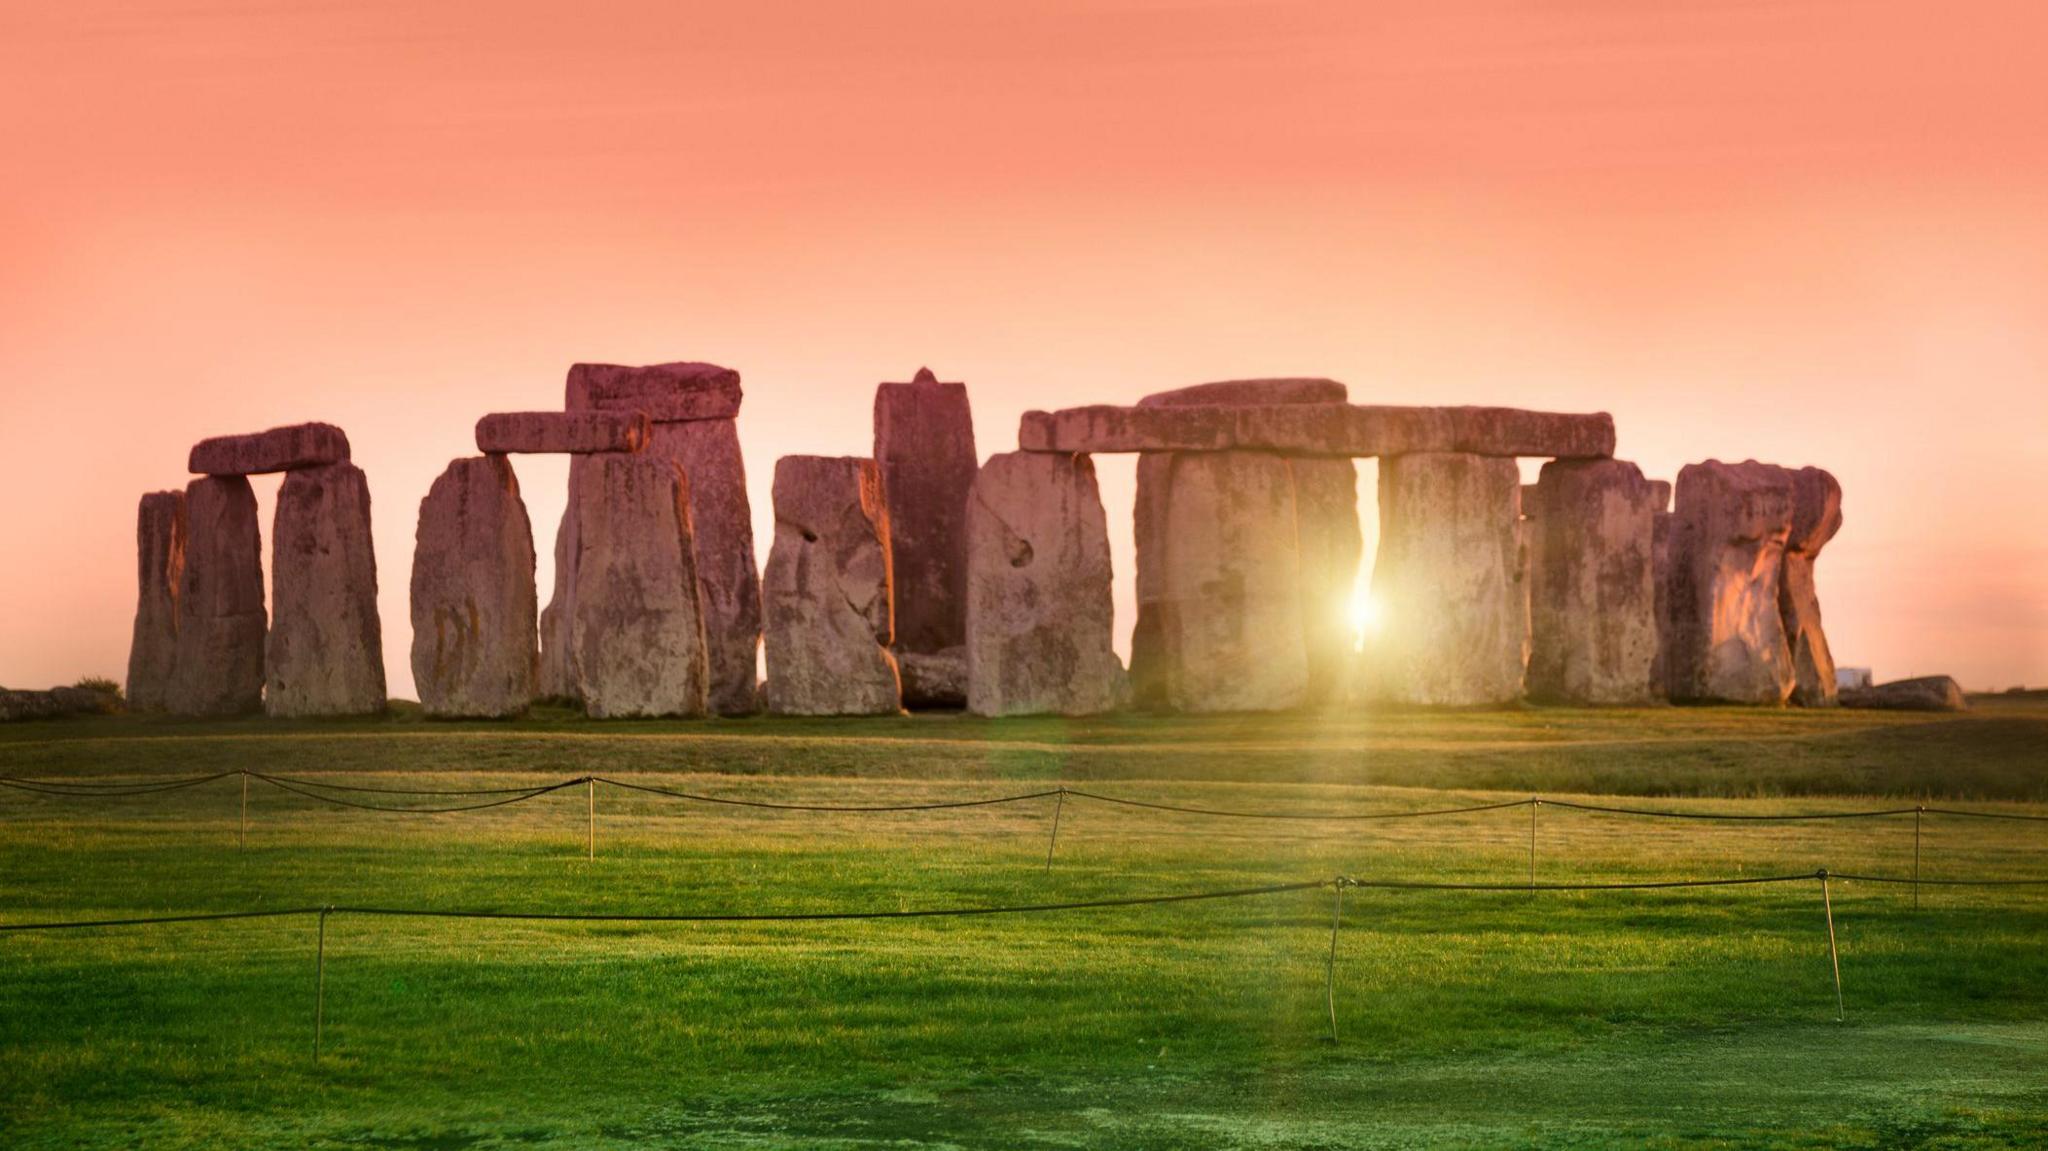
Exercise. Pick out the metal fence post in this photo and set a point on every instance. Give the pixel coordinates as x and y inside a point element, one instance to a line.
<point>1916,855</point>
<point>242,833</point>
<point>320,984</point>
<point>1330,966</point>
<point>1534,803</point>
<point>590,792</point>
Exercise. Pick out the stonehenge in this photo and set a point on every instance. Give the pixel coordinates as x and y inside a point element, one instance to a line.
<point>217,665</point>
<point>1039,617</point>
<point>325,651</point>
<point>924,448</point>
<point>475,646</point>
<point>922,576</point>
<point>827,595</point>
<point>160,530</point>
<point>1449,578</point>
<point>1591,536</point>
<point>691,408</point>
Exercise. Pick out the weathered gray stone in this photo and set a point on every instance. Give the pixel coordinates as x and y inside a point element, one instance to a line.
<point>638,620</point>
<point>933,679</point>
<point>325,655</point>
<point>1318,429</point>
<point>1448,578</point>
<point>668,393</point>
<point>474,642</point>
<point>1725,637</point>
<point>160,529</point>
<point>561,433</point>
<point>924,446</point>
<point>221,620</point>
<point>1039,616</point>
<point>1591,535</point>
<point>56,703</point>
<point>1327,549</point>
<point>1220,617</point>
<point>1927,693</point>
<point>826,595</point>
<point>1816,517</point>
<point>686,402</point>
<point>277,450</point>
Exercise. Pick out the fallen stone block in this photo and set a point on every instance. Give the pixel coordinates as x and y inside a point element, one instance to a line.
<point>474,644</point>
<point>1926,693</point>
<point>933,679</point>
<point>1039,614</point>
<point>826,594</point>
<point>561,433</point>
<point>277,450</point>
<point>325,654</point>
<point>160,530</point>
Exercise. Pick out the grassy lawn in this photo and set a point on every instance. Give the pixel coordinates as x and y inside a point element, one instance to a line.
<point>1678,1018</point>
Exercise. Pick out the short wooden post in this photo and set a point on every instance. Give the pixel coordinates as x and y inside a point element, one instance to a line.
<point>1916,855</point>
<point>320,984</point>
<point>1534,803</point>
<point>1834,956</point>
<point>1059,804</point>
<point>242,834</point>
<point>1330,966</point>
<point>590,792</point>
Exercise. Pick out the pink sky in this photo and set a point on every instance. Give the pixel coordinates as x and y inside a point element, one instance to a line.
<point>1805,232</point>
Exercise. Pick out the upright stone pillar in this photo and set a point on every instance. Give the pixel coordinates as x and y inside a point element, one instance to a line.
<point>160,529</point>
<point>693,407</point>
<point>924,446</point>
<point>474,646</point>
<point>1455,626</point>
<point>829,610</point>
<point>1593,598</point>
<point>639,619</point>
<point>1816,517</point>
<point>1039,615</point>
<point>221,621</point>
<point>325,654</point>
<point>1277,617</point>
<point>1726,635</point>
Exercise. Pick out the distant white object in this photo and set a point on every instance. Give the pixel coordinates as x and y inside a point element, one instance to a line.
<point>1852,677</point>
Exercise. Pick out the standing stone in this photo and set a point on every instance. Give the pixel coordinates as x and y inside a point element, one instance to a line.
<point>1324,554</point>
<point>1448,579</point>
<point>693,406</point>
<point>1593,593</point>
<point>1221,628</point>
<point>924,446</point>
<point>474,642</point>
<point>160,567</point>
<point>639,619</point>
<point>326,650</point>
<point>1816,517</point>
<point>1039,614</point>
<point>638,615</point>
<point>1728,534</point>
<point>829,611</point>
<point>220,603</point>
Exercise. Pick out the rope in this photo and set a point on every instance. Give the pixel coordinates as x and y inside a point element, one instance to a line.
<point>1294,814</point>
<point>1666,814</point>
<point>325,786</point>
<point>96,789</point>
<point>700,798</point>
<point>337,801</point>
<point>1338,882</point>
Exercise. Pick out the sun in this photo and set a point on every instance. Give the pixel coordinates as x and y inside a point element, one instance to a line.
<point>1365,615</point>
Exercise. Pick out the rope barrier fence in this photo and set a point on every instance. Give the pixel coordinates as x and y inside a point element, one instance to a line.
<point>1337,885</point>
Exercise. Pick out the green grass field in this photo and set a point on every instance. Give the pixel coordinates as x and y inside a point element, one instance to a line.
<point>1661,1018</point>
